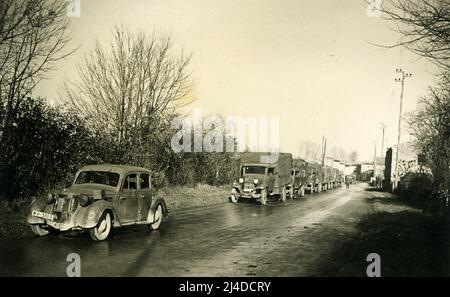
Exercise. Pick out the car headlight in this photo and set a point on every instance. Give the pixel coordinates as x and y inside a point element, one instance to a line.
<point>241,180</point>
<point>85,200</point>
<point>50,198</point>
<point>255,181</point>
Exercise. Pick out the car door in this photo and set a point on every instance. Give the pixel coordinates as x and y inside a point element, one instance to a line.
<point>128,199</point>
<point>145,196</point>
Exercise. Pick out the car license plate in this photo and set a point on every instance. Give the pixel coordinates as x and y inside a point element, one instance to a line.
<point>44,215</point>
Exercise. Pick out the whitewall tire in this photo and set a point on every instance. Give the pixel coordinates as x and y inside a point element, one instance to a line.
<point>157,218</point>
<point>103,228</point>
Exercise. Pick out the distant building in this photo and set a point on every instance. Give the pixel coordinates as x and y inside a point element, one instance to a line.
<point>408,162</point>
<point>350,169</point>
<point>364,171</point>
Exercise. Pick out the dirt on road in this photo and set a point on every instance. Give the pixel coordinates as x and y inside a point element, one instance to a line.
<point>326,234</point>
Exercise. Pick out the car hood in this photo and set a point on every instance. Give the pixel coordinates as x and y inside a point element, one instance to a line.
<point>87,189</point>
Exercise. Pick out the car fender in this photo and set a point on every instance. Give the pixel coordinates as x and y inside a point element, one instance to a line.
<point>155,202</point>
<point>88,217</point>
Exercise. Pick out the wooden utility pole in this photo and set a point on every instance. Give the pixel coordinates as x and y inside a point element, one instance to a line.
<point>402,81</point>
<point>324,149</point>
<point>375,160</point>
<point>383,127</point>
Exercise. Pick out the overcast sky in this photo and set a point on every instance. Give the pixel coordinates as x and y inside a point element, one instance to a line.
<point>308,62</point>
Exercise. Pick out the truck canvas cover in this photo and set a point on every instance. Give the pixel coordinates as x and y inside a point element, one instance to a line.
<point>283,164</point>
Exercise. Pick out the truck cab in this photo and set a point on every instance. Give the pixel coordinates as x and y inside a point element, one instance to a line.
<point>254,178</point>
<point>260,180</point>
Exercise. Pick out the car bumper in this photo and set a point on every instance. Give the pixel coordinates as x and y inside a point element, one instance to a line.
<point>61,226</point>
<point>250,196</point>
<point>75,221</point>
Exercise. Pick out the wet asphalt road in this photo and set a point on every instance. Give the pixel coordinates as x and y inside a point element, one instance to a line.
<point>295,238</point>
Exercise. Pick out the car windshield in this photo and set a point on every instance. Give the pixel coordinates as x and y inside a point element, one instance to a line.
<point>98,177</point>
<point>254,170</point>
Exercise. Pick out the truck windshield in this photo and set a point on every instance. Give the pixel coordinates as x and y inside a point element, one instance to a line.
<point>254,170</point>
<point>98,177</point>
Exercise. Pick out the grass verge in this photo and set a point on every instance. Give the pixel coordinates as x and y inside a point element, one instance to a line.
<point>410,243</point>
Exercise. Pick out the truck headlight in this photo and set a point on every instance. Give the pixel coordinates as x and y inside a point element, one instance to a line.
<point>241,180</point>
<point>255,181</point>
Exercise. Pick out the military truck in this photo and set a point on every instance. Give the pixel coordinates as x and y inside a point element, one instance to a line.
<point>314,172</point>
<point>263,177</point>
<point>339,168</point>
<point>330,178</point>
<point>299,177</point>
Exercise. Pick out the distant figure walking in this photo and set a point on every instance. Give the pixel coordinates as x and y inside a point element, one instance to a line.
<point>347,182</point>
<point>379,182</point>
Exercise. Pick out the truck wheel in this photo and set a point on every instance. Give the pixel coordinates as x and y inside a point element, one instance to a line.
<point>291,192</point>
<point>263,199</point>
<point>283,194</point>
<point>39,231</point>
<point>234,199</point>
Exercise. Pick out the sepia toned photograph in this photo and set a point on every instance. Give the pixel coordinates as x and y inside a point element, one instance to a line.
<point>208,139</point>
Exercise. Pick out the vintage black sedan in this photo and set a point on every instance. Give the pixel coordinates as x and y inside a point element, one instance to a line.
<point>101,197</point>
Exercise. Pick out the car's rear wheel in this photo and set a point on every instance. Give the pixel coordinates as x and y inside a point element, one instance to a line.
<point>103,228</point>
<point>39,231</point>
<point>157,218</point>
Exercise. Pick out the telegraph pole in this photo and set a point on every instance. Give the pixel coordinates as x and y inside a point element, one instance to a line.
<point>402,81</point>
<point>324,149</point>
<point>375,161</point>
<point>383,127</point>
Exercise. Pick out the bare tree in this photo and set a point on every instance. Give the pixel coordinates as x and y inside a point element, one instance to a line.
<point>339,153</point>
<point>430,125</point>
<point>33,34</point>
<point>309,150</point>
<point>121,88</point>
<point>424,26</point>
<point>353,156</point>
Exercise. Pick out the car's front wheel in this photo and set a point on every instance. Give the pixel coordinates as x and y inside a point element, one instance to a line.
<point>39,231</point>
<point>157,218</point>
<point>103,228</point>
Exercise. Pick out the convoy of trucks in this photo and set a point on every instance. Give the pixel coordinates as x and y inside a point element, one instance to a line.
<point>263,177</point>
